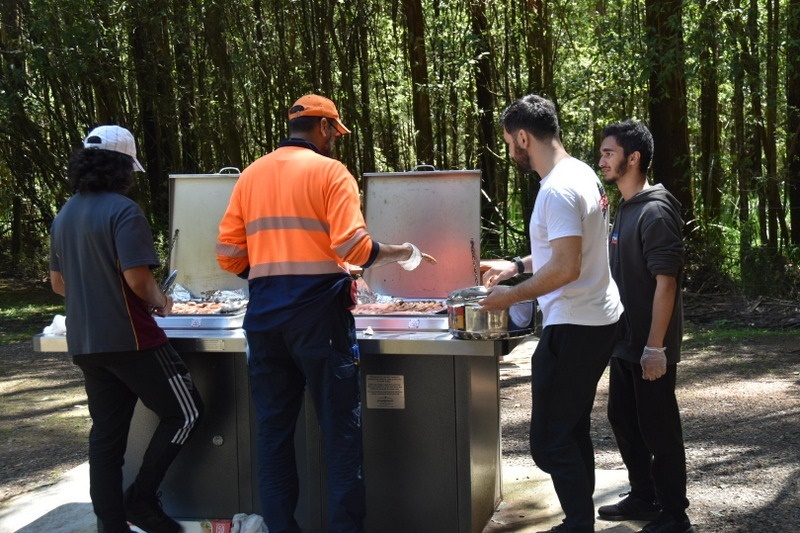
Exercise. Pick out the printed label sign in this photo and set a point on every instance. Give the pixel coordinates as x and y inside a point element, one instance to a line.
<point>386,392</point>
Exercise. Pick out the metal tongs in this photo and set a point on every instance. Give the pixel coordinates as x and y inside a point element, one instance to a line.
<point>169,281</point>
<point>167,284</point>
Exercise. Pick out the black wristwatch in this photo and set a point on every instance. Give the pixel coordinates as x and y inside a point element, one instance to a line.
<point>520,265</point>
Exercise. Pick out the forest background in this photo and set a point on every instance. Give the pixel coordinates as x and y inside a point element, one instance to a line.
<point>205,84</point>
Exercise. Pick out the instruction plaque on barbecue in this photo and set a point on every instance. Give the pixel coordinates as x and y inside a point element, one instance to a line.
<point>386,391</point>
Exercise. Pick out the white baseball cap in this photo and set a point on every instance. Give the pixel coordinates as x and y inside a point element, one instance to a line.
<point>116,139</point>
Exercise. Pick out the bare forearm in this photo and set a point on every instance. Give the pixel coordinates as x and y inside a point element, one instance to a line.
<point>663,305</point>
<point>144,285</point>
<point>545,280</point>
<point>563,267</point>
<point>57,283</point>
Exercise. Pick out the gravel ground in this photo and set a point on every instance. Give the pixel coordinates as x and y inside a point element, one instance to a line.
<point>740,402</point>
<point>740,405</point>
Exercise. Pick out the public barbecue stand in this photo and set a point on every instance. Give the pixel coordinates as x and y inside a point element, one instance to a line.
<point>430,402</point>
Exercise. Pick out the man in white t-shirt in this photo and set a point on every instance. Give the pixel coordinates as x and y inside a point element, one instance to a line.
<point>579,300</point>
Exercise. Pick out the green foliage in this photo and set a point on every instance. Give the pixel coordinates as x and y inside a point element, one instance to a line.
<point>697,337</point>
<point>767,272</point>
<point>26,308</point>
<point>205,85</point>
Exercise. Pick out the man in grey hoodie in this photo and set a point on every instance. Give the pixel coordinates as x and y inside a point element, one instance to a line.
<point>647,257</point>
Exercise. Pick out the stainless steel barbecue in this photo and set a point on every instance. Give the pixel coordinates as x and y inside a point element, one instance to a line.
<point>439,211</point>
<point>197,203</point>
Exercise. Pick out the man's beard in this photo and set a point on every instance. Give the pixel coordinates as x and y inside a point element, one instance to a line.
<point>621,169</point>
<point>328,148</point>
<point>522,159</point>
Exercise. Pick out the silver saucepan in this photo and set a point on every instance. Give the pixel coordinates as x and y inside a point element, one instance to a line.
<point>467,320</point>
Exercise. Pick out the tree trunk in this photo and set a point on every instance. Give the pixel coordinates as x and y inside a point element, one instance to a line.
<point>751,39</point>
<point>793,116</point>
<point>747,137</point>
<point>186,88</point>
<point>667,102</point>
<point>368,134</point>
<point>418,60</point>
<point>540,73</point>
<point>229,122</point>
<point>739,139</point>
<point>540,41</point>
<point>29,144</point>
<point>776,217</point>
<point>154,67</point>
<point>493,208</point>
<point>709,158</point>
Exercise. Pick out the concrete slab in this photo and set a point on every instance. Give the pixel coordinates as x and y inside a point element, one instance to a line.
<point>529,505</point>
<point>63,507</point>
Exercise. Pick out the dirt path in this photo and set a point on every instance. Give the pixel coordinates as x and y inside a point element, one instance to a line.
<point>740,404</point>
<point>45,422</point>
<point>740,401</point>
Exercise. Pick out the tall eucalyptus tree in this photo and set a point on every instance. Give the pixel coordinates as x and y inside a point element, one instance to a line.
<point>667,103</point>
<point>496,189</point>
<point>709,158</point>
<point>793,116</point>
<point>418,60</point>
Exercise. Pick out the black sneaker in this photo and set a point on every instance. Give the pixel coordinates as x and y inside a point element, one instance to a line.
<point>147,514</point>
<point>666,523</point>
<point>630,508</point>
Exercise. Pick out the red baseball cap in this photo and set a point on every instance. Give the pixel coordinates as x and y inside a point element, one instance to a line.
<point>313,105</point>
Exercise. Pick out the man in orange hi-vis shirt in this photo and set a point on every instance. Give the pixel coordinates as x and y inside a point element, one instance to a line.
<point>293,221</point>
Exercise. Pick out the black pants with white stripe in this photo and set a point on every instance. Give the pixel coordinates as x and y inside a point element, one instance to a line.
<point>160,379</point>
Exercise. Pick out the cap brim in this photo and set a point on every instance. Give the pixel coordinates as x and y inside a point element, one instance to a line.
<point>137,167</point>
<point>339,126</point>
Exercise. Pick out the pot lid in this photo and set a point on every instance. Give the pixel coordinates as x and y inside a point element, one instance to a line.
<point>470,294</point>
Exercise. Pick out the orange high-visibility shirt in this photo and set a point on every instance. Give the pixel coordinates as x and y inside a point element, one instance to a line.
<point>293,212</point>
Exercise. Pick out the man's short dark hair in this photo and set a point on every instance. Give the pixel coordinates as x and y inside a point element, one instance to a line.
<point>534,114</point>
<point>303,124</point>
<point>632,136</point>
<point>92,170</point>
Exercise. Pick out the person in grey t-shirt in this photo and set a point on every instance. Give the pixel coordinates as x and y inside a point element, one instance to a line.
<point>101,255</point>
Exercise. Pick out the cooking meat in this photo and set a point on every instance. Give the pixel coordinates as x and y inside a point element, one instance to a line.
<point>197,308</point>
<point>398,307</point>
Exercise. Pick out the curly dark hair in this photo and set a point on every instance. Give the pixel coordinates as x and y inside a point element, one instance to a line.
<point>93,170</point>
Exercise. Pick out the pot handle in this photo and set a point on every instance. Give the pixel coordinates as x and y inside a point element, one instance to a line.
<point>233,170</point>
<point>423,168</point>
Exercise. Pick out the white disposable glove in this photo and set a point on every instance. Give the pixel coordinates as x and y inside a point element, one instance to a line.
<point>654,363</point>
<point>254,524</point>
<point>412,262</point>
<point>236,522</point>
